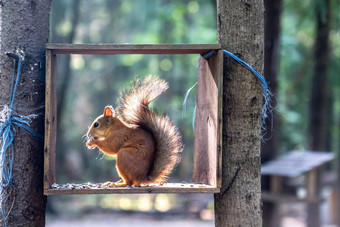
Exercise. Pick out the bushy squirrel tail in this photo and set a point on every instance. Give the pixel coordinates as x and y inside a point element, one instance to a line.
<point>133,109</point>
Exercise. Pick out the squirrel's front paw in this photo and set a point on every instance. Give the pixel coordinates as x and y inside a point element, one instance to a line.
<point>120,183</point>
<point>108,184</point>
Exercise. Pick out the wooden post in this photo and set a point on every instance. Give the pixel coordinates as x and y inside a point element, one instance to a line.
<point>50,121</point>
<point>275,184</point>
<point>275,187</point>
<point>333,206</point>
<point>208,123</point>
<point>312,186</point>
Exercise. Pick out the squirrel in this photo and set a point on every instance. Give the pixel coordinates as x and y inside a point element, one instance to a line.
<point>146,145</point>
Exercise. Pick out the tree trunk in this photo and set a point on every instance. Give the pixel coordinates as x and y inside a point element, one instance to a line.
<point>338,180</point>
<point>317,133</point>
<point>271,68</point>
<point>25,25</point>
<point>64,82</point>
<point>241,31</point>
<point>66,75</point>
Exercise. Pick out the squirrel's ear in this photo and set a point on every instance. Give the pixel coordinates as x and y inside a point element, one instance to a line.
<point>109,111</point>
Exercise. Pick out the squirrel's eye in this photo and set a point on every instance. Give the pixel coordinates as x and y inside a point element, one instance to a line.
<point>96,125</point>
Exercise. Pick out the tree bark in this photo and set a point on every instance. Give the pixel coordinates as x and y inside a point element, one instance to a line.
<point>241,31</point>
<point>271,67</point>
<point>25,24</point>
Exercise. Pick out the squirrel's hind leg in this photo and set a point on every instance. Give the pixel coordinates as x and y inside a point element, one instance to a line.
<point>131,166</point>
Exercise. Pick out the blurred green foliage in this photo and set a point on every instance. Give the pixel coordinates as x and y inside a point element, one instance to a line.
<point>95,81</point>
<point>296,70</point>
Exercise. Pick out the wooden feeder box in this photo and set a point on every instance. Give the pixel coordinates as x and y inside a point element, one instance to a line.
<point>208,125</point>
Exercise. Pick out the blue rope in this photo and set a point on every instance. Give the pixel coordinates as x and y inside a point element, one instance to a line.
<point>267,95</point>
<point>254,71</point>
<point>7,134</point>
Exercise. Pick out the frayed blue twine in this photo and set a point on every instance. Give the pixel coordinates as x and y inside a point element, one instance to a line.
<point>7,134</point>
<point>267,94</point>
<point>184,106</point>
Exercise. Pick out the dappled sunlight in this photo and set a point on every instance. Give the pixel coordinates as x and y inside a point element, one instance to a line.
<point>162,203</point>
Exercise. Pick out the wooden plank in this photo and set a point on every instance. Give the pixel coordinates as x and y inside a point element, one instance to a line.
<point>295,163</point>
<point>131,48</point>
<point>50,120</point>
<point>166,188</point>
<point>218,76</point>
<point>206,124</point>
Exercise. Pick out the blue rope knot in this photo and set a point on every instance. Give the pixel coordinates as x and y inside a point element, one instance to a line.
<point>7,133</point>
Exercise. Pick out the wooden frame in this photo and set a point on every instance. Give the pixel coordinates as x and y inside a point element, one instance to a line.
<point>208,126</point>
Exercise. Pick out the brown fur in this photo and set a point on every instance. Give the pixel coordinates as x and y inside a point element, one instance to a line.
<point>146,144</point>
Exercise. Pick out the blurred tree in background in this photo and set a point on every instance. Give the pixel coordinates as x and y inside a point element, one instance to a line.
<point>296,72</point>
<point>269,146</point>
